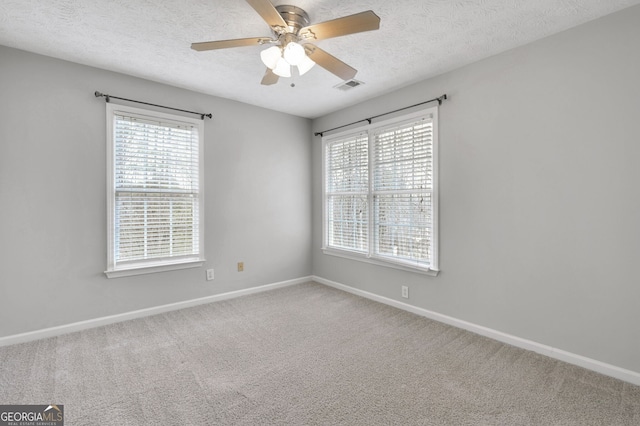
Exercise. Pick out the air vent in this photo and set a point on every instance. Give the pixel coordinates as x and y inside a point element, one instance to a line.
<point>348,85</point>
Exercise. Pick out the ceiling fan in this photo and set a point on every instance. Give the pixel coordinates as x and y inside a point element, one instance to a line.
<point>292,37</point>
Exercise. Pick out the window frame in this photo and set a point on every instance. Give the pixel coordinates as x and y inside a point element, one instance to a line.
<point>370,257</point>
<point>152,265</point>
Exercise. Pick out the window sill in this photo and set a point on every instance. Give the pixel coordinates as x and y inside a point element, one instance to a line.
<point>380,262</point>
<point>151,269</point>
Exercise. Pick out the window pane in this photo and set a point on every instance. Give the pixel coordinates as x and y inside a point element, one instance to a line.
<point>154,225</point>
<point>155,156</point>
<point>404,158</point>
<point>403,226</point>
<point>348,165</point>
<point>348,217</point>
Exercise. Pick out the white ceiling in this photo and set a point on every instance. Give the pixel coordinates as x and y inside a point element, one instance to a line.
<point>417,39</point>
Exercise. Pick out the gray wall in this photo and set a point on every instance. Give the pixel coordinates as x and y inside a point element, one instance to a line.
<point>53,196</point>
<point>539,201</point>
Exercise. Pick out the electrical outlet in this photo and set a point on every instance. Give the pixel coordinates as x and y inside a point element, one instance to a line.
<point>405,291</point>
<point>240,266</point>
<point>210,274</point>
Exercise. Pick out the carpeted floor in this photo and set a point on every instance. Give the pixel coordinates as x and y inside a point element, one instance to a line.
<point>304,355</point>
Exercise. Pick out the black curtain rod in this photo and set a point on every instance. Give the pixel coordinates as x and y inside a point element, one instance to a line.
<point>439,99</point>
<point>108,98</point>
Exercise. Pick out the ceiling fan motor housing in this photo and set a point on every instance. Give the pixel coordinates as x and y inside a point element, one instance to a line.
<point>295,18</point>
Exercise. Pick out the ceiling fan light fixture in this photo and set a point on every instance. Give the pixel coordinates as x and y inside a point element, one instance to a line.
<point>294,53</point>
<point>283,68</point>
<point>305,65</point>
<point>271,56</point>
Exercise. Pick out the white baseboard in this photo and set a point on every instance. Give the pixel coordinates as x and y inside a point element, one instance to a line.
<point>571,358</point>
<point>97,322</point>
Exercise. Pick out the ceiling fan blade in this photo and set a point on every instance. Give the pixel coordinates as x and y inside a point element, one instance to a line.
<point>268,13</point>
<point>269,78</point>
<point>364,21</point>
<point>330,63</point>
<point>224,44</point>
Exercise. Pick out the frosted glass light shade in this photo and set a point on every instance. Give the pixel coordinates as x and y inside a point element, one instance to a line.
<point>305,65</point>
<point>271,56</point>
<point>294,53</point>
<point>282,69</point>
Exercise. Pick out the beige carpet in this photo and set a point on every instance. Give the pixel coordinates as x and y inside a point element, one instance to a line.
<point>304,355</point>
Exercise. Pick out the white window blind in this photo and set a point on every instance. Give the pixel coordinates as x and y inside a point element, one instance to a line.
<point>347,189</point>
<point>402,192</point>
<point>381,192</point>
<point>155,199</point>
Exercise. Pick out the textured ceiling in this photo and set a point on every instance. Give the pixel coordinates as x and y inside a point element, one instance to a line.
<point>417,39</point>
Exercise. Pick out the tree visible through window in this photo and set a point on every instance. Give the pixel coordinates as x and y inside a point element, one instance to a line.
<point>380,192</point>
<point>155,189</point>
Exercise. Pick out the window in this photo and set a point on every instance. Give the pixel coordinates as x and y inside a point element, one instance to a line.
<point>380,193</point>
<point>154,191</point>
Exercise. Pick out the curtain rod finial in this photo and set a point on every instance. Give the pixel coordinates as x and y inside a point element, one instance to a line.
<point>99,94</point>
